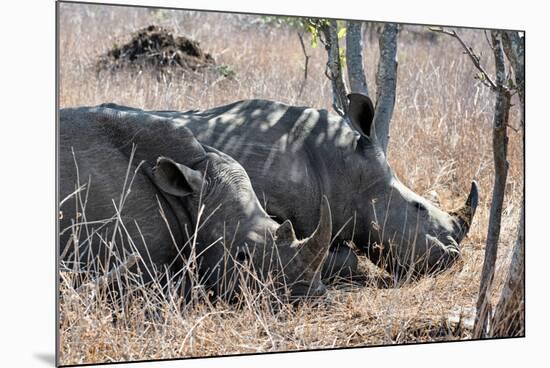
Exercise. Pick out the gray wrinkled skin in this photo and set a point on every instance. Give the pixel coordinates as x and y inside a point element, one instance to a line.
<point>175,173</point>
<point>295,155</point>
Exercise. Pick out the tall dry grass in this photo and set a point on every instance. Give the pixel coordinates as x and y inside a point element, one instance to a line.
<point>440,141</point>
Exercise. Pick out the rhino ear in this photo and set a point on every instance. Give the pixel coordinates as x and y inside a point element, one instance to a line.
<point>361,113</point>
<point>176,179</point>
<point>285,231</point>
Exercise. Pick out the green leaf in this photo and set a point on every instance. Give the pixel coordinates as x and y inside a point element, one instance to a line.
<point>314,40</point>
<point>314,36</point>
<point>342,32</point>
<point>342,55</point>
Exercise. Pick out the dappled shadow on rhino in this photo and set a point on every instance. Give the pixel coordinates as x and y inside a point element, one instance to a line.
<point>132,184</point>
<point>294,155</point>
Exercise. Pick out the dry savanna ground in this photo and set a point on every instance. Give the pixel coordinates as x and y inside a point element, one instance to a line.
<point>440,141</point>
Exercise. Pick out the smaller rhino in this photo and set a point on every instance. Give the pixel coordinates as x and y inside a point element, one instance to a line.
<point>176,180</point>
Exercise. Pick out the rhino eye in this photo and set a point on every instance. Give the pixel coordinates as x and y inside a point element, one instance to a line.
<point>242,256</point>
<point>420,207</point>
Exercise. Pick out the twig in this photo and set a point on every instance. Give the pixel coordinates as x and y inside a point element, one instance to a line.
<point>475,59</point>
<point>513,128</point>
<point>306,62</point>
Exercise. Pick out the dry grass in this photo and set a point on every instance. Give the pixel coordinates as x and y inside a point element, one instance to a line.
<point>440,141</point>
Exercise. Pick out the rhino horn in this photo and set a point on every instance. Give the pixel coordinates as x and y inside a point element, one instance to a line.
<point>319,241</point>
<point>465,214</point>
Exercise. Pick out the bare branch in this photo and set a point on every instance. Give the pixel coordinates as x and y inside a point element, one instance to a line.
<point>513,128</point>
<point>475,59</point>
<point>306,62</point>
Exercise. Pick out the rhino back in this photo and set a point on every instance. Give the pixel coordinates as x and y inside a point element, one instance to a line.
<point>93,153</point>
<point>291,153</point>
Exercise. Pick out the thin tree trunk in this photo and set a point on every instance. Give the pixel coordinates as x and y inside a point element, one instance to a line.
<point>386,80</point>
<point>334,68</point>
<point>509,318</point>
<point>515,51</point>
<point>500,142</point>
<point>354,57</point>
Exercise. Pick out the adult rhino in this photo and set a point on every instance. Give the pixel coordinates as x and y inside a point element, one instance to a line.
<point>294,155</point>
<point>166,179</point>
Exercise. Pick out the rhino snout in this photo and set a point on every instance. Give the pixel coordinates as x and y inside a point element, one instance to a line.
<point>320,290</point>
<point>440,255</point>
<point>303,290</point>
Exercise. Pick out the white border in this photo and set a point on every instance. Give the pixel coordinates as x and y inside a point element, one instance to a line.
<point>27,181</point>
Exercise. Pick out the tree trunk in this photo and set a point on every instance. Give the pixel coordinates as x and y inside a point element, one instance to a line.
<point>515,51</point>
<point>334,68</point>
<point>354,57</point>
<point>386,79</point>
<point>509,318</point>
<point>500,142</point>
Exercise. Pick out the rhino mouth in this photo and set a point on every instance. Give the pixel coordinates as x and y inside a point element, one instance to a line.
<point>301,291</point>
<point>443,249</point>
<point>441,255</point>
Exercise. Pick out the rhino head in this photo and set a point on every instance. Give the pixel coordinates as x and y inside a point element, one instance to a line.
<point>236,230</point>
<point>404,231</point>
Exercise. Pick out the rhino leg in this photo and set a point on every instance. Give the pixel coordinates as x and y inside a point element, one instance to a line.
<point>341,262</point>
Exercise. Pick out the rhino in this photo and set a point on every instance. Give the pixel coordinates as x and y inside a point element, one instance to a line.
<point>294,155</point>
<point>144,181</point>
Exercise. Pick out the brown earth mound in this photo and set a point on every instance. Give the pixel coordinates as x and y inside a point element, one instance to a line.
<point>156,48</point>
